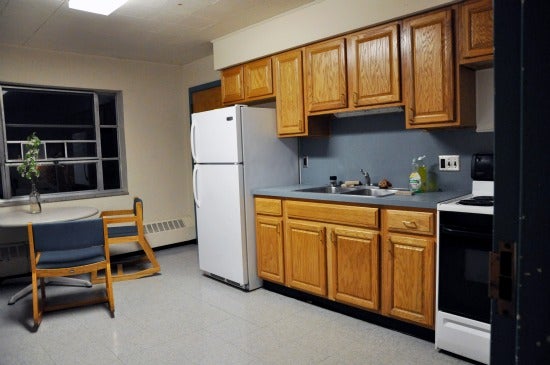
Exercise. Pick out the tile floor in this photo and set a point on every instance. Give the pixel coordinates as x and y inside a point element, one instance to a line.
<point>182,317</point>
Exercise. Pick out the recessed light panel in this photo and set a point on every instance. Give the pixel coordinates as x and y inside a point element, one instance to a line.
<point>103,7</point>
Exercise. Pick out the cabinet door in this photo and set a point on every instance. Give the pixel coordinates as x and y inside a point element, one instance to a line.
<point>258,77</point>
<point>428,69</point>
<point>233,84</point>
<point>289,93</point>
<point>409,278</point>
<point>476,31</point>
<point>326,75</point>
<point>373,66</point>
<point>353,273</point>
<point>305,257</point>
<point>269,248</point>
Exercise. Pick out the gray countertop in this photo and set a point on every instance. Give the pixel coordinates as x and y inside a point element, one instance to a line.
<point>421,200</point>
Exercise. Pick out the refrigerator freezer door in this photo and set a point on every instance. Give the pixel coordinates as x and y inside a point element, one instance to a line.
<point>220,221</point>
<point>216,136</point>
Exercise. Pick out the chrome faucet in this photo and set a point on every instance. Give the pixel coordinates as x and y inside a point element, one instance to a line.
<point>367,177</point>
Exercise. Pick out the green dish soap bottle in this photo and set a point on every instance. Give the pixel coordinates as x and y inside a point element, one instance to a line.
<point>415,178</point>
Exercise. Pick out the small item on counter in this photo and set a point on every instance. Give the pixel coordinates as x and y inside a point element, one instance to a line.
<point>432,179</point>
<point>422,171</point>
<point>404,192</point>
<point>384,184</point>
<point>350,183</point>
<point>415,178</point>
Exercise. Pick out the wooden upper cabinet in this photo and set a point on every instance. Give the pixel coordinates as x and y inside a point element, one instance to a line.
<point>428,69</point>
<point>233,84</point>
<point>289,93</point>
<point>247,82</point>
<point>476,32</point>
<point>258,76</point>
<point>374,66</point>
<point>326,87</point>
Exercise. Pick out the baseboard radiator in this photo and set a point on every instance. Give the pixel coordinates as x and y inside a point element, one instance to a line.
<point>163,233</point>
<point>14,258</point>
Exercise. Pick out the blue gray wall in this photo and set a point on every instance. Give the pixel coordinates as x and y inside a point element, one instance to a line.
<point>381,145</point>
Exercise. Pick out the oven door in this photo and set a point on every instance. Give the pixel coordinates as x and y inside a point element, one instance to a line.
<point>465,240</point>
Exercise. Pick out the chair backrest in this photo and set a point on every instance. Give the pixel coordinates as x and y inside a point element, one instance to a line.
<point>136,201</point>
<point>68,235</point>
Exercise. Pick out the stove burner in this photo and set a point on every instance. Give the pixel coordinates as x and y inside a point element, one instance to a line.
<point>481,200</point>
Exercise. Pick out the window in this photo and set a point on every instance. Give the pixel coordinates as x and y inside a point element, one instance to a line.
<point>80,154</point>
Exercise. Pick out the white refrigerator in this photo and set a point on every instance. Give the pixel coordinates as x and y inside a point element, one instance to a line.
<point>235,150</point>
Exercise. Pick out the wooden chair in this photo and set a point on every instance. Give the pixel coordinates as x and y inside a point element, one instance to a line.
<point>63,249</point>
<point>126,226</point>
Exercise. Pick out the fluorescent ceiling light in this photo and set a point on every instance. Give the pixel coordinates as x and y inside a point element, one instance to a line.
<point>103,7</point>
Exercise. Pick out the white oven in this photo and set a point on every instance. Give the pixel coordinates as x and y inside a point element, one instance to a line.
<point>465,237</point>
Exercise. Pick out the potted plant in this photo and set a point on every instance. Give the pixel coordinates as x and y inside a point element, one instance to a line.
<point>29,170</point>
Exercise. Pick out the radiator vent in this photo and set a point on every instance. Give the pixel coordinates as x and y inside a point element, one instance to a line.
<point>14,258</point>
<point>164,226</point>
<point>15,250</point>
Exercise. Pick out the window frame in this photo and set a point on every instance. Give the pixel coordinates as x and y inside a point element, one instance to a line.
<point>5,164</point>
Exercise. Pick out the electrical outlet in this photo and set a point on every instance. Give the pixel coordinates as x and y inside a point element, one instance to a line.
<point>305,162</point>
<point>449,163</point>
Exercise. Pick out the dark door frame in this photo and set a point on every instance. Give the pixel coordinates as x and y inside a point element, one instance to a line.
<point>522,164</point>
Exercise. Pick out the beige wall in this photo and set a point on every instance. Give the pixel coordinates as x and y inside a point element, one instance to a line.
<point>155,123</point>
<point>312,22</point>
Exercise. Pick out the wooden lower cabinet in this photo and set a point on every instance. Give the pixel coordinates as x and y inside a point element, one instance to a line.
<point>354,267</point>
<point>408,283</point>
<point>306,256</point>
<point>342,252</point>
<point>269,248</point>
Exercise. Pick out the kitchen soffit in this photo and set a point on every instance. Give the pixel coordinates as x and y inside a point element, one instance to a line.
<point>165,31</point>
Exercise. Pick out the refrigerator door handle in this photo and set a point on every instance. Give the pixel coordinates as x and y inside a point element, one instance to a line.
<point>193,141</point>
<point>195,192</point>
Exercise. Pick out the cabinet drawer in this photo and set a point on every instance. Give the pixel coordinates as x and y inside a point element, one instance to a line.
<point>333,213</point>
<point>268,206</point>
<point>408,221</point>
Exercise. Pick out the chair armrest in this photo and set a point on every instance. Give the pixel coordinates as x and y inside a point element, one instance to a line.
<point>116,212</point>
<point>118,219</point>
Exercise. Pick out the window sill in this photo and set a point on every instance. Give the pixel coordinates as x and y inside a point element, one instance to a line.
<point>61,197</point>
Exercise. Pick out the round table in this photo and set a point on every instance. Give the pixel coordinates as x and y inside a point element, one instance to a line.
<point>22,217</point>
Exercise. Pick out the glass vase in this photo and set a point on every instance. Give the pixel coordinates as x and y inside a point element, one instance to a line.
<point>34,200</point>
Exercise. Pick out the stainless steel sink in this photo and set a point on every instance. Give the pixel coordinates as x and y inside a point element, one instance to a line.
<point>325,190</point>
<point>371,192</point>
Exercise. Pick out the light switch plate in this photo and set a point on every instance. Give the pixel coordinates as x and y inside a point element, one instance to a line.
<point>449,163</point>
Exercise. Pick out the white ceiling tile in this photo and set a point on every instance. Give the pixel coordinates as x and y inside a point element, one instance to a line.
<point>168,31</point>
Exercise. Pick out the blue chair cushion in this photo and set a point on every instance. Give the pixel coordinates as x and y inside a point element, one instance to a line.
<point>67,258</point>
<point>122,231</point>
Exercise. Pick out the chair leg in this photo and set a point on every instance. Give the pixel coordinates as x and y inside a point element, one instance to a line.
<point>150,254</point>
<point>109,288</point>
<point>120,276</point>
<point>36,311</point>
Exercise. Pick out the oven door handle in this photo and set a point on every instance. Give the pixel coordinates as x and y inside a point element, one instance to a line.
<point>464,233</point>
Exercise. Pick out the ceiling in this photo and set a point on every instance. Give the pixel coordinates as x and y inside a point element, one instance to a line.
<point>165,31</point>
